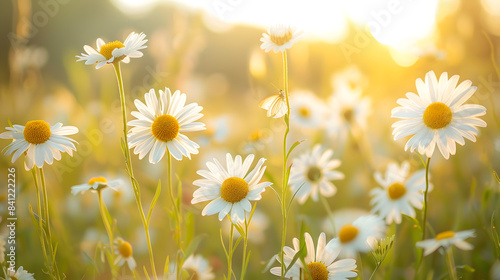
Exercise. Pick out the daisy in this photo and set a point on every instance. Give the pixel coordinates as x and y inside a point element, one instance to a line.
<point>353,238</point>
<point>20,274</point>
<point>306,110</point>
<point>160,125</point>
<point>198,268</point>
<point>400,192</point>
<point>124,251</point>
<point>230,190</point>
<point>437,116</point>
<point>350,79</point>
<point>313,172</point>
<point>279,38</point>
<point>321,264</point>
<point>41,142</point>
<point>347,109</point>
<point>446,239</point>
<point>275,105</point>
<point>114,51</point>
<point>95,183</point>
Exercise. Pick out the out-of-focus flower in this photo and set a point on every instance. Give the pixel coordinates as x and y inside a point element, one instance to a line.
<point>275,105</point>
<point>256,228</point>
<point>257,141</point>
<point>124,251</point>
<point>198,268</point>
<point>95,183</point>
<point>353,238</point>
<point>30,57</point>
<point>349,80</point>
<point>114,51</point>
<point>160,125</point>
<point>313,172</point>
<point>279,38</point>
<point>321,263</point>
<point>346,109</point>
<point>437,116</point>
<point>217,130</point>
<point>399,193</point>
<point>230,190</point>
<point>306,110</point>
<point>446,239</point>
<point>341,218</point>
<point>20,274</point>
<point>41,142</point>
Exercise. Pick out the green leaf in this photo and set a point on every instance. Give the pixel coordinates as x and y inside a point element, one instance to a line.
<point>222,242</point>
<point>166,268</point>
<point>294,145</point>
<point>240,229</point>
<point>270,262</point>
<point>153,202</point>
<point>466,268</point>
<point>297,255</point>
<point>9,122</point>
<point>193,245</point>
<point>293,196</point>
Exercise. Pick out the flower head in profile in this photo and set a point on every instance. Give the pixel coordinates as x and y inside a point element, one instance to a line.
<point>96,184</point>
<point>161,124</point>
<point>446,239</point>
<point>437,116</point>
<point>320,262</point>
<point>40,141</point>
<point>123,250</point>
<point>20,274</point>
<point>313,172</point>
<point>198,268</point>
<point>279,38</point>
<point>115,51</point>
<point>230,190</point>
<point>400,192</point>
<point>275,105</point>
<point>355,237</point>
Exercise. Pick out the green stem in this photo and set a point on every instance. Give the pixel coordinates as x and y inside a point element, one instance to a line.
<point>245,243</point>
<point>285,169</point>
<point>133,181</point>
<point>40,222</point>
<point>451,264</point>
<point>375,270</point>
<point>330,213</point>
<point>230,253</point>
<point>425,197</point>
<point>47,221</point>
<point>102,208</point>
<point>177,234</point>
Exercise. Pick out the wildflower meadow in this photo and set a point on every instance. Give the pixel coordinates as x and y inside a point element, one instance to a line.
<point>199,140</point>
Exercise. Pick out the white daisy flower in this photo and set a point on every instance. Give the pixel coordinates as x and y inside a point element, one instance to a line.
<point>321,264</point>
<point>20,274</point>
<point>306,110</point>
<point>231,190</point>
<point>446,239</point>
<point>114,51</point>
<point>437,116</point>
<point>347,109</point>
<point>400,193</point>
<point>41,142</point>
<point>160,125</point>
<point>313,172</point>
<point>124,251</point>
<point>353,238</point>
<point>349,79</point>
<point>95,183</point>
<point>275,105</point>
<point>341,218</point>
<point>198,268</point>
<point>279,38</point>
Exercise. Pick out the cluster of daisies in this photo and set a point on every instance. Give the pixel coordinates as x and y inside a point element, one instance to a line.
<point>436,116</point>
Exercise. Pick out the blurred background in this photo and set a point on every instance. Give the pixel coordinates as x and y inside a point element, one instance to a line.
<point>368,51</point>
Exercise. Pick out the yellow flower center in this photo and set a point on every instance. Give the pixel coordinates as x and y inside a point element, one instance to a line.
<point>313,174</point>
<point>445,235</point>
<point>165,128</point>
<point>318,271</point>
<point>282,38</point>
<point>437,115</point>
<point>37,132</point>
<point>348,233</point>
<point>396,190</point>
<point>100,179</point>
<point>234,189</point>
<point>125,249</point>
<point>107,49</point>
<point>304,112</point>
